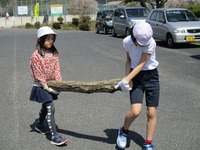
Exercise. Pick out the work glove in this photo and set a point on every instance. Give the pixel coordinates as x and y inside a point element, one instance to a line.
<point>123,85</point>
<point>50,90</point>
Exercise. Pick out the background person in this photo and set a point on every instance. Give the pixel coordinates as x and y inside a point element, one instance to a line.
<point>7,16</point>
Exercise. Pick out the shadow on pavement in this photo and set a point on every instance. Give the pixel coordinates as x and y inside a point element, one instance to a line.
<point>110,133</point>
<point>164,44</point>
<point>196,56</point>
<point>178,45</point>
<point>111,136</point>
<point>48,136</point>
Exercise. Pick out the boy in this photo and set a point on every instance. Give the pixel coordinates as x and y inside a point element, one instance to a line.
<point>141,70</point>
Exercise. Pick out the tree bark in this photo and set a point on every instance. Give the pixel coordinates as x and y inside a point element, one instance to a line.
<point>85,87</point>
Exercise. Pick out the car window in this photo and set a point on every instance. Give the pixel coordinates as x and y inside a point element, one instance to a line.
<point>175,16</point>
<point>99,15</point>
<point>153,15</point>
<point>137,12</point>
<point>180,15</point>
<point>121,12</point>
<point>108,14</point>
<point>191,16</point>
<point>161,17</point>
<point>116,13</point>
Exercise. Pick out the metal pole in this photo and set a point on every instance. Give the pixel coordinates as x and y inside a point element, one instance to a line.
<point>41,7</point>
<point>0,9</point>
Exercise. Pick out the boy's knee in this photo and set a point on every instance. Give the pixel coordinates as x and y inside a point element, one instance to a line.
<point>151,112</point>
<point>135,113</point>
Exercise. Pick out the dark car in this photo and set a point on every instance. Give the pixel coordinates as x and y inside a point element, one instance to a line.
<point>104,21</point>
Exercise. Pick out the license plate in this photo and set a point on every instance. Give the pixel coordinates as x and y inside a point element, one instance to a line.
<point>190,38</point>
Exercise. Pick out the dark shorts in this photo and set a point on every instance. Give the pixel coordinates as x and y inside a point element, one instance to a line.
<point>146,82</point>
<point>39,95</point>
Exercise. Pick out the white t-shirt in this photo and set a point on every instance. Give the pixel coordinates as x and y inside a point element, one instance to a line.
<point>135,53</point>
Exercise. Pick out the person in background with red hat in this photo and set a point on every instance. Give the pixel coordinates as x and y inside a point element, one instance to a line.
<point>141,70</point>
<point>44,65</point>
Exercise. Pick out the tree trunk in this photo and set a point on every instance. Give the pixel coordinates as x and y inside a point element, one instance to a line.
<point>85,87</point>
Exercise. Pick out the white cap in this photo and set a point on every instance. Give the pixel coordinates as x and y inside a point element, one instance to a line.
<point>143,32</point>
<point>44,31</point>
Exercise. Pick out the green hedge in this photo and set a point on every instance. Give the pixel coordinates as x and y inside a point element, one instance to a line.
<point>194,8</point>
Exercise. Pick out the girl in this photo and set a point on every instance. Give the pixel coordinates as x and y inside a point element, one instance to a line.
<point>45,66</point>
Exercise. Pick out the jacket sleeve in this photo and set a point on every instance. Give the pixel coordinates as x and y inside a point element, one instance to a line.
<point>57,70</point>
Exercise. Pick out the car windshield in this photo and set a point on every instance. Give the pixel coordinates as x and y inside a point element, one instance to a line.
<point>108,15</point>
<point>180,15</point>
<point>137,13</point>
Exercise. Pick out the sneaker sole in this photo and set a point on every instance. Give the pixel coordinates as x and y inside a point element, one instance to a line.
<point>62,143</point>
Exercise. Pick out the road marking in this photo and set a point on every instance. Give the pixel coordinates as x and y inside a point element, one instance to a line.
<point>14,98</point>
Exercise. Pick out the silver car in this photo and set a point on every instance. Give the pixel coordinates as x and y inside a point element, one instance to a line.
<point>124,18</point>
<point>174,25</point>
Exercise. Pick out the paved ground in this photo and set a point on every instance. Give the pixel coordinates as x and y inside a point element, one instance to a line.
<point>91,121</point>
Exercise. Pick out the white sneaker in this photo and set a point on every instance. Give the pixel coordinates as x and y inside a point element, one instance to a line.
<point>121,139</point>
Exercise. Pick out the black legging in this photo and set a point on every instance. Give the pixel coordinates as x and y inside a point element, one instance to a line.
<point>48,110</point>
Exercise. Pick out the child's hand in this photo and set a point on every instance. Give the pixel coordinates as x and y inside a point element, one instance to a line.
<point>50,90</point>
<point>123,85</point>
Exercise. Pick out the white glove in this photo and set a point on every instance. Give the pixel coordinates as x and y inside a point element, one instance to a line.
<point>50,90</point>
<point>123,85</point>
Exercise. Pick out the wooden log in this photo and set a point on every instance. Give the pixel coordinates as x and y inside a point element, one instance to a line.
<point>85,87</point>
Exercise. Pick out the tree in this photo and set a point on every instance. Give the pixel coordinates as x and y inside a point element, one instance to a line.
<point>6,6</point>
<point>4,3</point>
<point>157,3</point>
<point>82,7</point>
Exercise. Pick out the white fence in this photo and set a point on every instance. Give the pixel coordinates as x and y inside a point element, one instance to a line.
<point>18,21</point>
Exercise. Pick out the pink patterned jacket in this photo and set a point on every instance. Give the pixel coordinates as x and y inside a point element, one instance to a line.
<point>44,68</point>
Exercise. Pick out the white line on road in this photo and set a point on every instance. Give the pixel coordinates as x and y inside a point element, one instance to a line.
<point>14,98</point>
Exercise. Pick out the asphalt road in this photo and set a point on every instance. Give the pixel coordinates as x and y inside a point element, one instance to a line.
<point>91,121</point>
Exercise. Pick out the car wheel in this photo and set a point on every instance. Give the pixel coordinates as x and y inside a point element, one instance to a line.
<point>97,30</point>
<point>105,30</point>
<point>113,32</point>
<point>170,41</point>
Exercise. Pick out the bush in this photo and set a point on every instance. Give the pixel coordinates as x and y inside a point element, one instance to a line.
<point>84,23</point>
<point>194,8</point>
<point>84,27</point>
<point>28,25</point>
<point>60,20</point>
<point>69,26</point>
<point>131,4</point>
<point>75,21</point>
<point>56,25</point>
<point>37,25</point>
<point>85,19</point>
